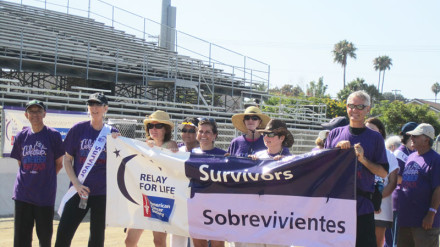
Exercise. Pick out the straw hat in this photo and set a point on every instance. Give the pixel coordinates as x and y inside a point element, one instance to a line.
<point>279,127</point>
<point>237,119</point>
<point>158,116</point>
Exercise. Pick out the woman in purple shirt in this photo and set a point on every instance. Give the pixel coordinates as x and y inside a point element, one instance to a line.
<point>79,141</point>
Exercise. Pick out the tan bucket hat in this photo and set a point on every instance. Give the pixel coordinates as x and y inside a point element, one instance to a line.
<point>237,119</point>
<point>158,116</point>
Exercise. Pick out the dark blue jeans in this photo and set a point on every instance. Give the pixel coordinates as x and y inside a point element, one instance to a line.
<point>365,231</point>
<point>73,215</point>
<point>25,216</point>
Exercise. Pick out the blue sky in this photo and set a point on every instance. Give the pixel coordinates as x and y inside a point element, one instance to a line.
<point>296,37</point>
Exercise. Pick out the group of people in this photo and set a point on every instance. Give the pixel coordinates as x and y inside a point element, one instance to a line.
<point>409,172</point>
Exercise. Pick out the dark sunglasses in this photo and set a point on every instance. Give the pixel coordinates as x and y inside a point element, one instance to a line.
<point>212,120</point>
<point>255,118</point>
<point>192,131</point>
<point>269,134</point>
<point>94,104</point>
<point>359,107</point>
<point>157,126</point>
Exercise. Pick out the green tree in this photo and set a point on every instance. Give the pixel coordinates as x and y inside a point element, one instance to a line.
<point>317,89</point>
<point>395,114</point>
<point>435,89</point>
<point>358,84</point>
<point>382,63</point>
<point>392,97</point>
<point>342,51</point>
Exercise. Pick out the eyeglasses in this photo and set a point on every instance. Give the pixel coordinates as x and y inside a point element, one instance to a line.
<point>359,107</point>
<point>255,118</point>
<point>94,104</point>
<point>157,126</point>
<point>269,134</point>
<point>191,131</point>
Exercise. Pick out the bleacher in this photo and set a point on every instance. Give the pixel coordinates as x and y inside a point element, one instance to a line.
<point>304,131</point>
<point>35,39</point>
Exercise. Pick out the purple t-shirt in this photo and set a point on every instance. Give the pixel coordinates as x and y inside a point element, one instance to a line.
<point>215,151</point>
<point>420,177</point>
<point>242,148</point>
<point>374,150</point>
<point>407,152</point>
<point>36,181</point>
<point>78,142</point>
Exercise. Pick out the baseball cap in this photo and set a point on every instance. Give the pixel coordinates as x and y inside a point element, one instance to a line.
<point>37,103</point>
<point>335,122</point>
<point>408,127</point>
<point>98,97</point>
<point>423,129</point>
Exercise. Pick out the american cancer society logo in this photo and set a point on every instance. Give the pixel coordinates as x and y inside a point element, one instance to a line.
<point>158,207</point>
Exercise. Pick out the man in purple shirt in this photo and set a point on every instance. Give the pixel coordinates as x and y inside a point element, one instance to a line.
<point>419,197</point>
<point>38,150</point>
<point>371,156</point>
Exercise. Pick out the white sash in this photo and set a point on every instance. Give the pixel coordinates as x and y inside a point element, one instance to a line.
<point>401,155</point>
<point>92,157</point>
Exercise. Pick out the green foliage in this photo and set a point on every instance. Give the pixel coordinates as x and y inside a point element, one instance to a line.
<point>391,97</point>
<point>317,89</point>
<point>358,84</point>
<point>335,108</point>
<point>395,114</point>
<point>287,90</point>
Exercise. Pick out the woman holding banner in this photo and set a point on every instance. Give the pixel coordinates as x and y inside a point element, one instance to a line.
<point>278,140</point>
<point>206,135</point>
<point>158,127</point>
<point>85,162</point>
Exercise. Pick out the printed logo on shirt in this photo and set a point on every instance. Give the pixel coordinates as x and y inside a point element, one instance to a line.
<point>158,207</point>
<point>410,175</point>
<point>34,157</point>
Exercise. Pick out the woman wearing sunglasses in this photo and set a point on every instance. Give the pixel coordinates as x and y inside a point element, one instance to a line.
<point>188,130</point>
<point>277,139</point>
<point>252,141</point>
<point>158,127</point>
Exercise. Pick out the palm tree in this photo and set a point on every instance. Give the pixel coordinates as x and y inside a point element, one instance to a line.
<point>435,89</point>
<point>382,63</point>
<point>342,51</point>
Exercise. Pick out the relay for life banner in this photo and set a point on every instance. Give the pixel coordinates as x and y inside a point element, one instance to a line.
<point>15,121</point>
<point>306,200</point>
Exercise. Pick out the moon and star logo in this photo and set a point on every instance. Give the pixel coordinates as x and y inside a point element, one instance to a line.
<point>120,176</point>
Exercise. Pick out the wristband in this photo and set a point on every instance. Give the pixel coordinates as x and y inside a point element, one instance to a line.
<point>433,210</point>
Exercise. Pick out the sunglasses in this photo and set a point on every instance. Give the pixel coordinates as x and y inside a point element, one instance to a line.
<point>255,118</point>
<point>212,120</point>
<point>94,104</point>
<point>157,126</point>
<point>191,131</point>
<point>359,107</point>
<point>269,134</point>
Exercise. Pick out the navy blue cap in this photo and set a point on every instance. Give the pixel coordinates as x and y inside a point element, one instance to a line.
<point>335,122</point>
<point>98,97</point>
<point>408,127</point>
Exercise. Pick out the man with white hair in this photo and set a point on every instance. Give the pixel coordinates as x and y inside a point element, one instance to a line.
<point>372,160</point>
<point>419,197</point>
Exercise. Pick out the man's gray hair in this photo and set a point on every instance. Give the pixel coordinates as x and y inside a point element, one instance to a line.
<point>360,94</point>
<point>392,141</point>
